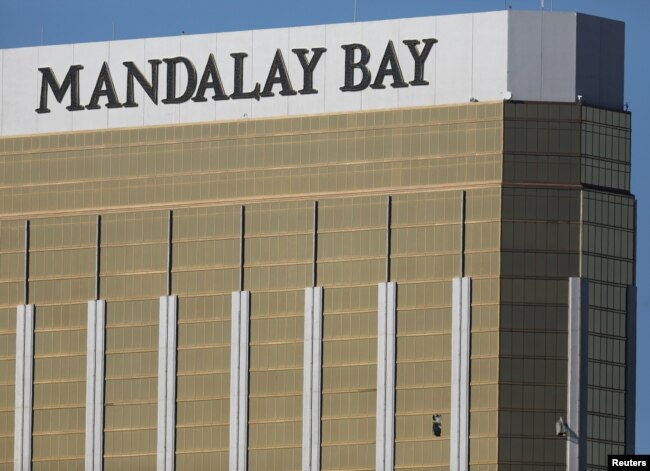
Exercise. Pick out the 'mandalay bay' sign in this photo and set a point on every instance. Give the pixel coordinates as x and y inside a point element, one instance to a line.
<point>337,68</point>
<point>200,87</point>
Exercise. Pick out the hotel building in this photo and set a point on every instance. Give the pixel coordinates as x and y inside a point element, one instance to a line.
<point>405,244</point>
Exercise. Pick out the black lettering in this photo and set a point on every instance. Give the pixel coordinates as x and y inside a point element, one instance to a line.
<point>278,75</point>
<point>420,58</point>
<point>71,81</point>
<point>239,92</point>
<point>210,79</point>
<point>171,80</point>
<point>104,87</point>
<point>308,68</point>
<point>350,65</point>
<point>389,66</point>
<point>150,88</point>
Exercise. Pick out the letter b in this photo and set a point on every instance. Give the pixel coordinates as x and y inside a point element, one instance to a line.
<point>361,64</point>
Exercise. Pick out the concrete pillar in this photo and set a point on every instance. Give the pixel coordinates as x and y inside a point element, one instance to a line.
<point>166,383</point>
<point>311,397</point>
<point>460,367</point>
<point>578,328</point>
<point>95,385</point>
<point>385,429</point>
<point>240,320</point>
<point>24,387</point>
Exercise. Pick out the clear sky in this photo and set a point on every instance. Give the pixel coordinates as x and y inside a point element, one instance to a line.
<point>34,22</point>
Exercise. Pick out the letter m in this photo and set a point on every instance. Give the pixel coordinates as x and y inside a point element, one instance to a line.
<point>71,81</point>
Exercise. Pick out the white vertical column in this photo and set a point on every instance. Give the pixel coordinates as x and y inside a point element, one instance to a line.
<point>389,442</point>
<point>91,353</point>
<point>166,383</point>
<point>24,380</point>
<point>316,383</point>
<point>161,443</point>
<point>240,317</point>
<point>170,406</point>
<point>28,387</point>
<point>234,380</point>
<point>98,409</point>
<point>454,426</point>
<point>576,453</point>
<point>311,399</point>
<point>465,336</point>
<point>460,369</point>
<point>385,438</point>
<point>95,385</point>
<point>243,381</point>
<point>380,452</point>
<point>307,376</point>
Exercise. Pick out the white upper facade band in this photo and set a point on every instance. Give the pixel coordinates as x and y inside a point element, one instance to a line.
<point>519,55</point>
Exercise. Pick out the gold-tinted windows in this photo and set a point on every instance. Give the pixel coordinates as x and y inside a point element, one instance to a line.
<point>521,166</point>
<point>262,158</point>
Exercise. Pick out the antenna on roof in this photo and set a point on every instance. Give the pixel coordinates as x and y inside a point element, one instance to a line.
<point>113,31</point>
<point>542,4</point>
<point>354,17</point>
<point>42,34</point>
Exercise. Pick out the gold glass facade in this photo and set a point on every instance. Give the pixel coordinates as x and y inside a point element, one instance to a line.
<point>546,190</point>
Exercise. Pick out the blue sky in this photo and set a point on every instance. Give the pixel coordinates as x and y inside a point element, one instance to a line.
<point>32,22</point>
